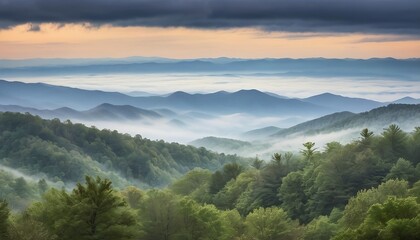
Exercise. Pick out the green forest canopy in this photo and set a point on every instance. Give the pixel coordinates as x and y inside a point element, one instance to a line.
<point>66,152</point>
<point>367,189</point>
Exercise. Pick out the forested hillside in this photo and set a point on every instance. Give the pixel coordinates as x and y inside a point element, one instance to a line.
<point>367,189</point>
<point>220,144</point>
<point>404,114</point>
<point>340,126</point>
<point>63,151</point>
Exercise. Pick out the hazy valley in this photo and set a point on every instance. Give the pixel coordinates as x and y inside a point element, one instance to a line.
<point>209,120</point>
<point>224,155</point>
<point>245,122</point>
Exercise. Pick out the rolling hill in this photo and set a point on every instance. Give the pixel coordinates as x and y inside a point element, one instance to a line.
<point>58,101</point>
<point>260,133</point>
<point>44,96</point>
<point>315,125</point>
<point>103,112</point>
<point>215,143</point>
<point>243,101</point>
<point>407,116</point>
<point>407,100</point>
<point>230,146</point>
<point>63,151</point>
<point>342,126</point>
<point>339,103</point>
<point>108,111</point>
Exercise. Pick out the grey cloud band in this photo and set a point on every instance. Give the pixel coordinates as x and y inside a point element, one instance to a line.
<point>368,16</point>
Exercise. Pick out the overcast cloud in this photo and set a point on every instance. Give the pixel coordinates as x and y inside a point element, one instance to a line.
<point>366,16</point>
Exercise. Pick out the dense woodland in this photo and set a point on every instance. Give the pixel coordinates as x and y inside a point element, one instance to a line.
<point>368,189</point>
<point>66,152</point>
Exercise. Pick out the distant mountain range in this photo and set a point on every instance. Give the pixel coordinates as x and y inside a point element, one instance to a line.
<point>340,103</point>
<point>197,112</point>
<point>407,100</point>
<point>260,133</point>
<point>44,96</point>
<point>243,101</point>
<point>253,102</point>
<point>102,112</point>
<point>314,67</point>
<point>55,62</point>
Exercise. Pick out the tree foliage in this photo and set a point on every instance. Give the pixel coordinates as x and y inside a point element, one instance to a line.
<point>4,220</point>
<point>366,189</point>
<point>92,211</point>
<point>396,218</point>
<point>271,223</point>
<point>67,151</point>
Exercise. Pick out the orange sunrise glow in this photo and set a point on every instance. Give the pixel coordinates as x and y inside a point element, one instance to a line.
<point>80,41</point>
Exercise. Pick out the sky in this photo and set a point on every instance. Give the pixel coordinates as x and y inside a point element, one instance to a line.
<point>186,29</point>
<point>209,28</point>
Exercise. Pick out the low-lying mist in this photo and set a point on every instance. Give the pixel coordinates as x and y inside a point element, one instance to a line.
<point>232,127</point>
<point>187,124</point>
<point>187,129</point>
<point>35,178</point>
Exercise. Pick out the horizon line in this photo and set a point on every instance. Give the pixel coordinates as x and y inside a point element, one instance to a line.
<point>200,58</point>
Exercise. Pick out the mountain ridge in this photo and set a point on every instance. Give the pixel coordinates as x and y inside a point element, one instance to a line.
<point>103,111</point>
<point>46,96</point>
<point>75,150</point>
<point>248,101</point>
<point>381,117</point>
<point>323,67</point>
<point>342,103</point>
<point>345,126</point>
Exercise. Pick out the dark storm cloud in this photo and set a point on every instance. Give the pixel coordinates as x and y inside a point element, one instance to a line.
<point>369,16</point>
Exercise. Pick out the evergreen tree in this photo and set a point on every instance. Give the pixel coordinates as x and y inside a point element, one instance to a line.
<point>366,138</point>
<point>43,186</point>
<point>309,151</point>
<point>403,170</point>
<point>394,143</point>
<point>4,220</point>
<point>257,163</point>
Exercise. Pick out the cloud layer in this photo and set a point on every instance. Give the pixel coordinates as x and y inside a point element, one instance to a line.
<point>379,89</point>
<point>366,16</point>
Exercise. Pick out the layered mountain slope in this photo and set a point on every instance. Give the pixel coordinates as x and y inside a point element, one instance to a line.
<point>44,96</point>
<point>342,126</point>
<point>407,116</point>
<point>67,152</point>
<point>102,112</point>
<point>340,103</point>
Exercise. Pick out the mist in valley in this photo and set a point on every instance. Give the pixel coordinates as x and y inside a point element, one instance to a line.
<point>375,88</point>
<point>249,123</point>
<point>195,125</point>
